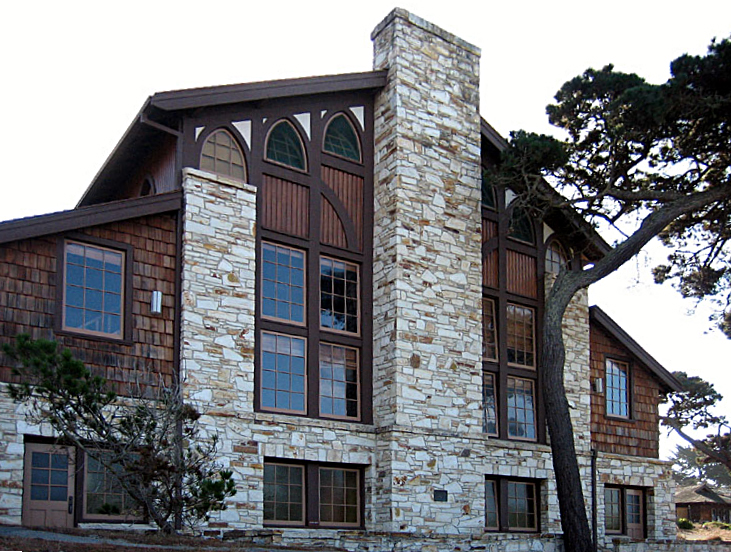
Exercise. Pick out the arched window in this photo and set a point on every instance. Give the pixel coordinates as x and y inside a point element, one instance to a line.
<point>341,139</point>
<point>222,155</point>
<point>521,228</point>
<point>147,188</point>
<point>556,257</point>
<point>284,146</point>
<point>488,191</point>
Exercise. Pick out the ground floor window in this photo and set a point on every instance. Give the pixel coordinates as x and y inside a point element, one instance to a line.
<point>511,504</point>
<point>104,497</point>
<point>624,511</point>
<point>312,494</point>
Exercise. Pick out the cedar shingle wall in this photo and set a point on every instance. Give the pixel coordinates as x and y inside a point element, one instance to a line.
<point>639,435</point>
<point>28,282</point>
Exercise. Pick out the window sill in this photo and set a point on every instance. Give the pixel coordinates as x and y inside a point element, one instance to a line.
<point>92,337</point>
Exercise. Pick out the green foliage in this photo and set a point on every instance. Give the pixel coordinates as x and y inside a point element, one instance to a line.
<point>684,524</point>
<point>150,444</point>
<point>691,467</point>
<point>717,525</point>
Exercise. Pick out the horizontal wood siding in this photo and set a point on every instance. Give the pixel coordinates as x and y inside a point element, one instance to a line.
<point>522,278</point>
<point>638,435</point>
<point>28,280</point>
<point>331,227</point>
<point>286,207</point>
<point>349,190</point>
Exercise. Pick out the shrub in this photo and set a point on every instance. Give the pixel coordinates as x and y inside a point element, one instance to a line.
<point>684,523</point>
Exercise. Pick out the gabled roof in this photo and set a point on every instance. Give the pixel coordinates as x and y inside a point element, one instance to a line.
<point>565,221</point>
<point>700,494</point>
<point>84,217</point>
<point>598,316</point>
<point>160,114</point>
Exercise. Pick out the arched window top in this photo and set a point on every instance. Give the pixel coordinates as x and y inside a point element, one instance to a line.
<point>222,155</point>
<point>521,228</point>
<point>147,188</point>
<point>488,191</point>
<point>284,146</point>
<point>341,139</point>
<point>556,257</point>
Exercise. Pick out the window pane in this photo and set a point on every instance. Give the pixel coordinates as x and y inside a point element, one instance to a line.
<point>521,409</point>
<point>521,331</point>
<point>490,404</point>
<point>489,330</point>
<point>340,139</point>
<point>339,496</point>
<point>283,493</point>
<point>521,227</point>
<point>491,511</point>
<point>338,295</point>
<point>617,388</point>
<point>612,510</point>
<point>104,493</point>
<point>555,257</point>
<point>222,155</point>
<point>488,190</point>
<point>338,366</point>
<point>282,367</point>
<point>284,146</point>
<point>283,289</point>
<point>522,505</point>
<point>93,289</point>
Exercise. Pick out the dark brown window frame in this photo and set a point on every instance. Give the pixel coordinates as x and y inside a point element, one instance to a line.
<point>127,282</point>
<point>311,493</point>
<point>497,247</point>
<point>501,496</point>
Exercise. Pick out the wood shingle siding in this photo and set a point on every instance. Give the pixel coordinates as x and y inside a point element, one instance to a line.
<point>28,300</point>
<point>636,435</point>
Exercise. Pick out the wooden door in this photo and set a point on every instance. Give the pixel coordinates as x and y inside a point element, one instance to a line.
<point>48,485</point>
<point>635,513</point>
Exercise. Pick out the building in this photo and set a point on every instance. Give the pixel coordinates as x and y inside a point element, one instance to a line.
<point>399,400</point>
<point>701,503</point>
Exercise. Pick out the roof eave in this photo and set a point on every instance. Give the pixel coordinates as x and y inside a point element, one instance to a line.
<point>84,217</point>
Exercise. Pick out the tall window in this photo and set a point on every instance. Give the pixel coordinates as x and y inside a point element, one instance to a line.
<point>511,307</point>
<point>104,497</point>
<point>222,155</point>
<point>511,504</point>
<point>617,388</point>
<point>521,409</point>
<point>313,347</point>
<point>313,494</point>
<point>93,297</point>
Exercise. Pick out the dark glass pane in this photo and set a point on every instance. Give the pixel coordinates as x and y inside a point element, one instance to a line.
<point>270,254</point>
<point>93,299</point>
<point>282,399</point>
<point>284,146</point>
<point>267,379</point>
<point>59,477</point>
<point>267,398</point>
<point>112,324</point>
<point>295,512</point>
<point>58,493</point>
<point>521,227</point>
<point>40,460</point>
<point>93,321</point>
<point>282,512</point>
<point>351,514</point>
<point>340,139</point>
<point>38,492</point>
<point>269,307</point>
<point>488,190</point>
<point>112,303</point>
<point>39,476</point>
<point>268,511</point>
<point>298,403</point>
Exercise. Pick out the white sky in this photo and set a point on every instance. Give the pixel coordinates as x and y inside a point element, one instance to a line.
<point>74,74</point>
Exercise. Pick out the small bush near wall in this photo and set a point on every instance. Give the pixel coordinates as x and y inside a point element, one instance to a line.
<point>684,523</point>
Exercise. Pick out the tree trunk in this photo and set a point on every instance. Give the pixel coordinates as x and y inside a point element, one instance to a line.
<point>574,522</point>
